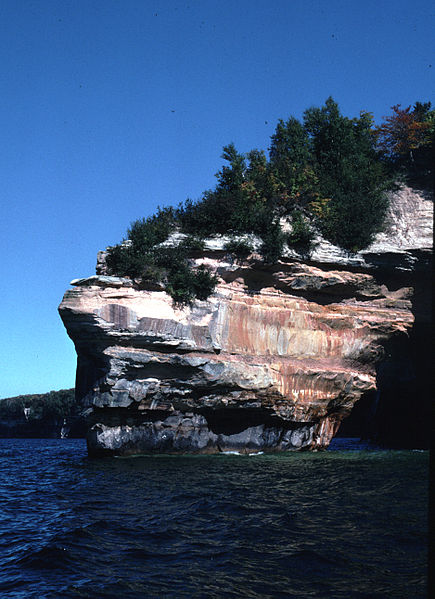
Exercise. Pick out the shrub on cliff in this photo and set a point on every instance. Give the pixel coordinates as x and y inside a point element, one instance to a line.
<point>183,282</point>
<point>301,236</point>
<point>273,242</point>
<point>168,266</point>
<point>146,233</point>
<point>239,247</point>
<point>135,256</point>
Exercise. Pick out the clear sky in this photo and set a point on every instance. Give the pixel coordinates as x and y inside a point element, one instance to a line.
<point>112,107</point>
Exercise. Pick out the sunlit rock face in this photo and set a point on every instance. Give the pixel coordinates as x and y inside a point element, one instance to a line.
<point>273,360</point>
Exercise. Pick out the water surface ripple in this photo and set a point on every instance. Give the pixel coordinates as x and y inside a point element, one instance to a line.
<point>338,524</point>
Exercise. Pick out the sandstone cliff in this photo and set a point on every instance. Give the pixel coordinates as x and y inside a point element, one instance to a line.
<point>273,360</point>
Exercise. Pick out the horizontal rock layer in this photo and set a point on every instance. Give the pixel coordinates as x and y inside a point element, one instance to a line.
<point>280,369</point>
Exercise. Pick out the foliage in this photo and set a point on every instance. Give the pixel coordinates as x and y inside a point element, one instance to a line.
<point>319,208</point>
<point>168,266</point>
<point>125,260</point>
<point>146,233</point>
<point>350,176</point>
<point>236,205</point>
<point>245,200</point>
<point>404,131</point>
<point>135,257</point>
<point>203,282</point>
<point>302,234</point>
<point>184,283</point>
<point>405,139</point>
<point>290,160</point>
<point>239,247</point>
<point>264,181</point>
<point>273,242</point>
<point>192,244</point>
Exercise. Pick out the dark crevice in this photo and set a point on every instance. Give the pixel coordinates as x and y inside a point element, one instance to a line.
<point>90,371</point>
<point>158,347</point>
<point>398,414</point>
<point>359,423</point>
<point>163,372</point>
<point>231,421</point>
<point>126,416</point>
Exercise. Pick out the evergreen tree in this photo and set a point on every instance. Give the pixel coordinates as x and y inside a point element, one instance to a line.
<point>290,158</point>
<point>350,175</point>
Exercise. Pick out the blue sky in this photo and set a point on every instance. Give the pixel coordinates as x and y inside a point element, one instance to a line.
<point>111,108</point>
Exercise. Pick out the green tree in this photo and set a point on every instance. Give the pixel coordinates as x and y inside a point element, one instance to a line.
<point>237,204</point>
<point>232,175</point>
<point>301,236</point>
<point>351,176</point>
<point>217,210</point>
<point>291,159</point>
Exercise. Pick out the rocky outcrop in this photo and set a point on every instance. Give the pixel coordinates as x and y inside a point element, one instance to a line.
<point>405,245</point>
<point>275,359</point>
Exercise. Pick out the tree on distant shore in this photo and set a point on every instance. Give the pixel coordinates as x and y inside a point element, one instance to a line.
<point>55,405</point>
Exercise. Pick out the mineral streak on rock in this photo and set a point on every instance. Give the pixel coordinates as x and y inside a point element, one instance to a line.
<point>273,360</point>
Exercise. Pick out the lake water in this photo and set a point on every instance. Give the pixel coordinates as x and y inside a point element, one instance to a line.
<point>346,523</point>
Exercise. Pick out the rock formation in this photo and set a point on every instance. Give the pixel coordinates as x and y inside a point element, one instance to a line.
<point>275,359</point>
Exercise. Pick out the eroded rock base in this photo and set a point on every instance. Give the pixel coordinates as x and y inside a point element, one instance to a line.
<point>184,433</point>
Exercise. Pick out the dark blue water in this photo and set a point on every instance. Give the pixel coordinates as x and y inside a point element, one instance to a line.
<point>342,524</point>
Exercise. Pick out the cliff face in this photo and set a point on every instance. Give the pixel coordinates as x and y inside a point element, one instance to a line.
<point>274,360</point>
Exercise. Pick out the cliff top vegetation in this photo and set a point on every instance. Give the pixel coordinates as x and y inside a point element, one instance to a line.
<point>327,172</point>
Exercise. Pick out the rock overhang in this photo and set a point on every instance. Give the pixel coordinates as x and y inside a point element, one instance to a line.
<point>296,342</point>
